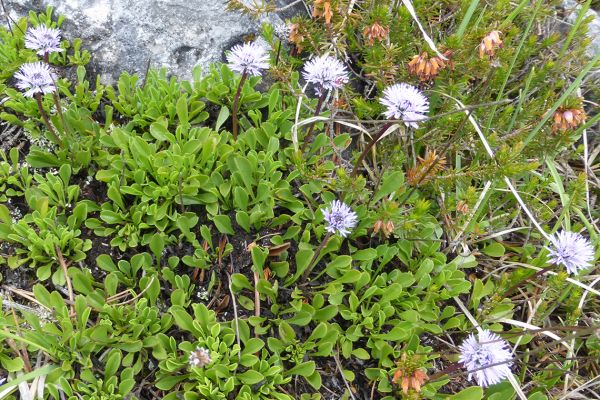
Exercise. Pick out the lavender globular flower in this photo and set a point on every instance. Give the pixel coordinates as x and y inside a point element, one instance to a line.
<point>34,78</point>
<point>326,73</point>
<point>43,39</point>
<point>249,58</point>
<point>200,357</point>
<point>487,357</point>
<point>405,102</point>
<point>572,250</point>
<point>340,218</point>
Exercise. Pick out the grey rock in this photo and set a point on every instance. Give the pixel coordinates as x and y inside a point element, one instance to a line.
<point>124,35</point>
<point>572,8</point>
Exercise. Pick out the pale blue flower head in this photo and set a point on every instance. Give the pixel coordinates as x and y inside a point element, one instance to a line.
<point>35,78</point>
<point>571,250</point>
<point>248,57</point>
<point>486,357</point>
<point>340,218</point>
<point>43,39</point>
<point>405,102</point>
<point>325,73</point>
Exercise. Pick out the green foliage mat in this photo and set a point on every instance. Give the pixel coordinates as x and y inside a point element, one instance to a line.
<point>147,254</point>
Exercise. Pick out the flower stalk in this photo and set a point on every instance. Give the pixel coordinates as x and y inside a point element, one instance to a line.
<point>310,133</point>
<point>367,149</point>
<point>38,98</point>
<point>236,102</point>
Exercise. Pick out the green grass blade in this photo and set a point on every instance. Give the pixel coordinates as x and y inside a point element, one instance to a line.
<point>467,18</point>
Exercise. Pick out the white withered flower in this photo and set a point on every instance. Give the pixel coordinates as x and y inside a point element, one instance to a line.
<point>340,218</point>
<point>35,78</point>
<point>486,357</point>
<point>249,57</point>
<point>405,102</point>
<point>200,357</point>
<point>571,250</point>
<point>43,39</point>
<point>326,73</point>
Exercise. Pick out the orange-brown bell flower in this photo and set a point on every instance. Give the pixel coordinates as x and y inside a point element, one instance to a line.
<point>386,228</point>
<point>375,32</point>
<point>490,43</point>
<point>568,118</point>
<point>410,377</point>
<point>426,68</point>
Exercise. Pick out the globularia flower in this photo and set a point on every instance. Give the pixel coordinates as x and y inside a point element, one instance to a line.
<point>248,57</point>
<point>326,73</point>
<point>200,357</point>
<point>486,357</point>
<point>43,39</point>
<point>571,250</point>
<point>35,78</point>
<point>405,102</point>
<point>340,218</point>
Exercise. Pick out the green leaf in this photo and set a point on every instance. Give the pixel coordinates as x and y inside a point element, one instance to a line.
<point>223,115</point>
<point>5,215</point>
<point>223,224</point>
<point>251,377</point>
<point>391,183</point>
<point>470,393</point>
<point>304,369</point>
<point>160,132</point>
<point>157,245</point>
<point>494,249</point>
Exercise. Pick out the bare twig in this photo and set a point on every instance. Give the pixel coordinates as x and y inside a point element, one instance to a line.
<point>235,316</point>
<point>63,264</point>
<point>336,357</point>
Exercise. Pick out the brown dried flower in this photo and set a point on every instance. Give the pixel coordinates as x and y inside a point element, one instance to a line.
<point>410,375</point>
<point>297,36</point>
<point>462,207</point>
<point>568,118</point>
<point>426,68</point>
<point>490,43</point>
<point>427,166</point>
<point>323,9</point>
<point>374,32</point>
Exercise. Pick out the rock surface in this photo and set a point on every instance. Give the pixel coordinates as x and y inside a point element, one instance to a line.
<point>573,7</point>
<point>123,35</point>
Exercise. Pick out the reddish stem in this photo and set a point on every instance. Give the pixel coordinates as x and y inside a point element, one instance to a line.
<point>309,135</point>
<point>369,147</point>
<point>38,98</point>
